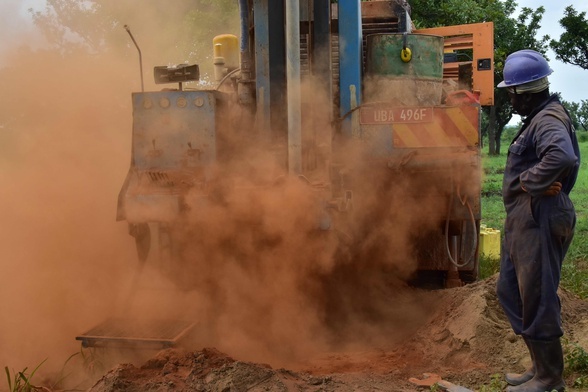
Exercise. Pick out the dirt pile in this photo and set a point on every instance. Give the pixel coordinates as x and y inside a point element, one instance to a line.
<point>465,340</point>
<point>205,370</point>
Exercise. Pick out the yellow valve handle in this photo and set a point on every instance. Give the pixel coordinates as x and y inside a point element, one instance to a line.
<point>406,55</point>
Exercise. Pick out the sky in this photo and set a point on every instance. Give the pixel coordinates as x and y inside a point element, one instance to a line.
<point>16,26</point>
<point>569,80</point>
<point>17,29</point>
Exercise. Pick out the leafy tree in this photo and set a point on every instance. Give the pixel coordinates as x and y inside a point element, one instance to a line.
<point>578,113</point>
<point>88,45</point>
<point>572,108</point>
<point>167,34</point>
<point>582,114</point>
<point>65,24</point>
<point>435,13</point>
<point>572,47</point>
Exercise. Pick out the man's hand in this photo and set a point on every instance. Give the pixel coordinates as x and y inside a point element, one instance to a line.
<point>554,189</point>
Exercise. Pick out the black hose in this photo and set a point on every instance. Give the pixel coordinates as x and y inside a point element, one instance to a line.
<point>464,202</point>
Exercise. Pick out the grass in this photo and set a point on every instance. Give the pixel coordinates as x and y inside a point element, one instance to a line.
<point>575,269</point>
<point>89,360</point>
<point>496,384</point>
<point>21,381</point>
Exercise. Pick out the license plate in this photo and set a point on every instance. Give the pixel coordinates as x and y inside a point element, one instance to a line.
<point>374,115</point>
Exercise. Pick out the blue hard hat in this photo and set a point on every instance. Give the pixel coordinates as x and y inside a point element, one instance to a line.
<point>524,66</point>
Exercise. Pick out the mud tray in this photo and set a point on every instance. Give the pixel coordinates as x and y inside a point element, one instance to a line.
<point>153,334</point>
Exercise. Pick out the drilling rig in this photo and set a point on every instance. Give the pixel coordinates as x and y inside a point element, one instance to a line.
<point>381,121</point>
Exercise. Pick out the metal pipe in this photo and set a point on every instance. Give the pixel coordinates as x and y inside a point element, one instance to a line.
<point>262,66</point>
<point>244,14</point>
<point>350,64</point>
<point>140,56</point>
<point>321,50</point>
<point>244,42</point>
<point>245,89</point>
<point>293,85</point>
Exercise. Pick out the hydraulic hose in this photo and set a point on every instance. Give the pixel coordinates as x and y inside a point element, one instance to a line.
<point>226,77</point>
<point>464,201</point>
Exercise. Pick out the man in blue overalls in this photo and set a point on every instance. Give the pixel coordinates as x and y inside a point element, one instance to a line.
<point>541,169</point>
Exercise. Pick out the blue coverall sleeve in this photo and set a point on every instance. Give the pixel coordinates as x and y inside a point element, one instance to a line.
<point>556,157</point>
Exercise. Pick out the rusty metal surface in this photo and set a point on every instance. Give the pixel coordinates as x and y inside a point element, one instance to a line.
<point>383,9</point>
<point>119,332</point>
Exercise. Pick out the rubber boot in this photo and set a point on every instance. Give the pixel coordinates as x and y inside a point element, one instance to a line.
<point>549,367</point>
<point>518,379</point>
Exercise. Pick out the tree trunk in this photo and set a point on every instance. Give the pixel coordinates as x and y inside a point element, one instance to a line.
<point>497,143</point>
<point>492,131</point>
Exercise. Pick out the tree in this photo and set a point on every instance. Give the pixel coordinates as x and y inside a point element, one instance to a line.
<point>435,13</point>
<point>167,34</point>
<point>65,25</point>
<point>91,60</point>
<point>572,47</point>
<point>582,114</point>
<point>578,113</point>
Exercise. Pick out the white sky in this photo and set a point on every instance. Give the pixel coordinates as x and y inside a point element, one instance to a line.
<point>569,80</point>
<point>16,26</point>
<point>16,29</point>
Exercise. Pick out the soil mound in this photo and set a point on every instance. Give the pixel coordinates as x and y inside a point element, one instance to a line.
<point>465,339</point>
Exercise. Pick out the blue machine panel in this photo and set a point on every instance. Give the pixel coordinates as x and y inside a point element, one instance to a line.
<point>173,129</point>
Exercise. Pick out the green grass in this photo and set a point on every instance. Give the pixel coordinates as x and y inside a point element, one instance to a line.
<point>90,361</point>
<point>575,269</point>
<point>21,381</point>
<point>496,384</point>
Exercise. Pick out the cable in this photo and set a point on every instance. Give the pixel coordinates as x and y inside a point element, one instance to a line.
<point>464,201</point>
<point>226,77</point>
